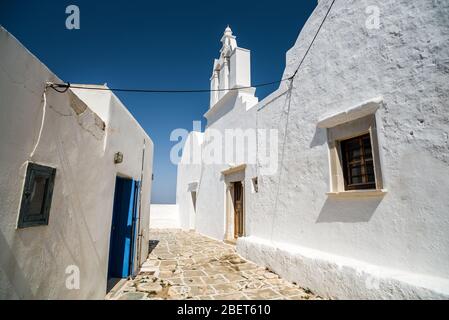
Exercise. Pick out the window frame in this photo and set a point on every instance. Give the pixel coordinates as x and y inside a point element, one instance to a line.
<point>26,218</point>
<point>347,164</point>
<point>344,130</point>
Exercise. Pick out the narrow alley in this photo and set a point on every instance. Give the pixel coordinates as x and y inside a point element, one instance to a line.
<point>187,265</point>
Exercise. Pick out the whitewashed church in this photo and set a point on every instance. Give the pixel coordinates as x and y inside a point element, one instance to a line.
<point>344,185</point>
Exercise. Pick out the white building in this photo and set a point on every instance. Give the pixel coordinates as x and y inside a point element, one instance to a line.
<point>73,167</point>
<point>357,205</point>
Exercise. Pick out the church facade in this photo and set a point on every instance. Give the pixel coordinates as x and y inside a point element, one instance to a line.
<point>338,179</point>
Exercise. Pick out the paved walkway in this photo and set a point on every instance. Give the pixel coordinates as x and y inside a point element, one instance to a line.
<point>186,265</point>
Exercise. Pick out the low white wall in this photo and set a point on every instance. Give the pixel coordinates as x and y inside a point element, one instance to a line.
<point>339,277</point>
<point>164,216</point>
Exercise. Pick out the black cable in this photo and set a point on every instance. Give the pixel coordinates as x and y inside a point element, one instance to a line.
<point>68,85</point>
<point>313,40</point>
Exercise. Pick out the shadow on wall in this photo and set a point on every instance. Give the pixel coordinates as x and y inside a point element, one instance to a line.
<point>319,138</point>
<point>228,106</point>
<point>13,272</point>
<point>348,210</point>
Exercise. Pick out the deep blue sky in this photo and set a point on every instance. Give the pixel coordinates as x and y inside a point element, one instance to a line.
<point>157,44</point>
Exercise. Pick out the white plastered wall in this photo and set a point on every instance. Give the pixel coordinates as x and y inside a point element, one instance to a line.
<point>188,179</point>
<point>400,238</point>
<point>395,245</point>
<point>33,261</point>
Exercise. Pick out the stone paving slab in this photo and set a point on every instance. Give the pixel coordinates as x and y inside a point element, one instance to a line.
<point>187,265</point>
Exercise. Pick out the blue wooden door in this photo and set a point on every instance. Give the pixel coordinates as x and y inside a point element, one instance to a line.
<point>123,230</point>
<point>134,209</point>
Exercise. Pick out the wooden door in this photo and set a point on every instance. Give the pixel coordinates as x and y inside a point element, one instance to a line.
<point>238,209</point>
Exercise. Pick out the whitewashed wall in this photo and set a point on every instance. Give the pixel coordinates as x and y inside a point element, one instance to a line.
<point>231,112</point>
<point>33,260</point>
<point>188,179</point>
<point>404,233</point>
<point>395,246</point>
<point>124,134</point>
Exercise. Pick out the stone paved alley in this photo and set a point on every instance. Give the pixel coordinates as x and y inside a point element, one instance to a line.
<point>187,265</point>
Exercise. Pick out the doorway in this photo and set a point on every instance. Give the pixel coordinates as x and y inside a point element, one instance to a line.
<point>234,196</point>
<point>238,209</point>
<point>123,229</point>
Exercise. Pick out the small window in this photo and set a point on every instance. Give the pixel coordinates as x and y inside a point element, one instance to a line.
<point>255,182</point>
<point>358,165</point>
<point>36,197</point>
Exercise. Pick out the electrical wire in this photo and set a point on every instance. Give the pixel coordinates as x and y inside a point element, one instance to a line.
<point>313,40</point>
<point>44,108</point>
<point>66,86</point>
<point>275,209</point>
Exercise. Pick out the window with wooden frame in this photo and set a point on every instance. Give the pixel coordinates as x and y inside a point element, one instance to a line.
<point>354,158</point>
<point>358,163</point>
